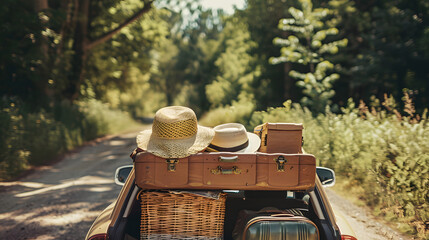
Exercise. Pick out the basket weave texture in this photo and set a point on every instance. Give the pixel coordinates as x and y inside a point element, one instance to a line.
<point>171,215</point>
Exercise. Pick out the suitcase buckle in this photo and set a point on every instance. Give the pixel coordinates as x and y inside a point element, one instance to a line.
<point>171,164</point>
<point>220,170</point>
<point>280,163</point>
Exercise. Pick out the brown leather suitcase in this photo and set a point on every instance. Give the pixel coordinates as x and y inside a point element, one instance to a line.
<point>221,170</point>
<point>288,224</point>
<point>280,137</point>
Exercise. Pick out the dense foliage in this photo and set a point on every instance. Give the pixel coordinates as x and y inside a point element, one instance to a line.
<point>308,45</point>
<point>35,138</point>
<point>55,50</point>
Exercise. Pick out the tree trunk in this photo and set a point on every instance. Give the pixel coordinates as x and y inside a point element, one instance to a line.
<point>70,10</point>
<point>41,80</point>
<point>79,48</point>
<point>103,38</point>
<point>82,44</point>
<point>40,5</point>
<point>287,81</point>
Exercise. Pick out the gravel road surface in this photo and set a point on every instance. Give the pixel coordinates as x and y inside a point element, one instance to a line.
<point>365,225</point>
<point>61,201</point>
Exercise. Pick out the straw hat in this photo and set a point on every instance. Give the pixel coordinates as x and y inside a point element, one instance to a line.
<point>175,133</point>
<point>233,137</point>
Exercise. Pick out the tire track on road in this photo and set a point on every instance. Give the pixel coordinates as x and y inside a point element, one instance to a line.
<point>61,201</point>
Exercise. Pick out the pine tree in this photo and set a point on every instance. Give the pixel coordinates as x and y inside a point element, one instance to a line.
<point>308,44</point>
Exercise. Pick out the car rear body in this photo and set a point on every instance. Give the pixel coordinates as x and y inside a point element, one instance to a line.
<point>120,220</point>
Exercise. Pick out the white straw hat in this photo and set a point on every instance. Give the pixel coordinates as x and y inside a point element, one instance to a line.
<point>233,137</point>
<point>175,133</point>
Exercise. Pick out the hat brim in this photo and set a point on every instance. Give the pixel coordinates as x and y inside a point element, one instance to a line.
<point>175,148</point>
<point>254,143</point>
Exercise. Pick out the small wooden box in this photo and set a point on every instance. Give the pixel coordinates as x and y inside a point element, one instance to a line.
<point>280,137</point>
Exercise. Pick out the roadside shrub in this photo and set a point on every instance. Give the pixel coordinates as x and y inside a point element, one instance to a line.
<point>13,159</point>
<point>30,139</point>
<point>43,137</point>
<point>380,151</point>
<point>240,111</point>
<point>99,119</point>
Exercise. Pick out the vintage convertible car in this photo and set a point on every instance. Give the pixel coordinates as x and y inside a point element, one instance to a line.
<point>121,219</point>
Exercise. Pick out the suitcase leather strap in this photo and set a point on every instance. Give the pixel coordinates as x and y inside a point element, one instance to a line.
<point>134,153</point>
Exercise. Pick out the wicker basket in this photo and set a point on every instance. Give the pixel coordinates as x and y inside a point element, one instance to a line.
<point>171,215</point>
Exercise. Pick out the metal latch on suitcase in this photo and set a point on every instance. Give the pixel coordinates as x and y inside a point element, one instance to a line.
<point>220,170</point>
<point>171,164</point>
<point>280,163</point>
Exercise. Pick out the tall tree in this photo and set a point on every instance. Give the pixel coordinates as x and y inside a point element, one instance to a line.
<point>308,45</point>
<point>236,67</point>
<point>22,51</point>
<point>48,44</point>
<point>109,64</point>
<point>262,18</point>
<point>387,49</point>
<point>193,66</point>
<point>83,42</point>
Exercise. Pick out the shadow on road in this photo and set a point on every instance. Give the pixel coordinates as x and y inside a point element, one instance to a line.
<point>62,201</point>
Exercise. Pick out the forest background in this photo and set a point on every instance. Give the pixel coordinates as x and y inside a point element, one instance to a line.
<point>355,73</point>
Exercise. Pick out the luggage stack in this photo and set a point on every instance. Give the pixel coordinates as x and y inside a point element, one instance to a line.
<point>183,196</point>
<point>222,170</point>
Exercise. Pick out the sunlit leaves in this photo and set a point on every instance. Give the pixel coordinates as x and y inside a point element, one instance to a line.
<point>235,74</point>
<point>110,63</point>
<point>286,21</point>
<point>219,92</point>
<point>322,34</point>
<point>297,14</point>
<point>307,44</point>
<point>332,47</point>
<point>319,13</point>
<point>281,41</point>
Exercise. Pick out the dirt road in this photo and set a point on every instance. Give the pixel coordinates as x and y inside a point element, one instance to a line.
<point>365,225</point>
<point>61,201</point>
